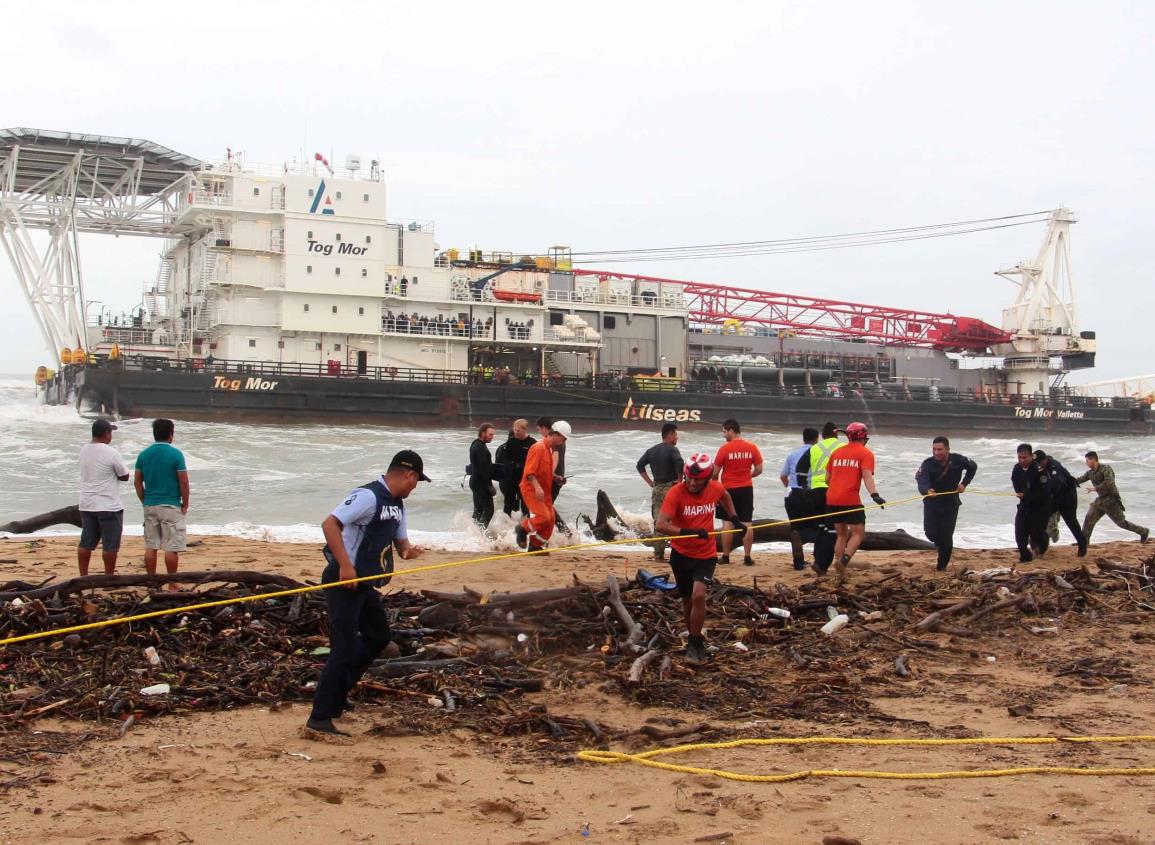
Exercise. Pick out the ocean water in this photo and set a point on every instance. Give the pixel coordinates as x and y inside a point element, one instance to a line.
<point>278,482</point>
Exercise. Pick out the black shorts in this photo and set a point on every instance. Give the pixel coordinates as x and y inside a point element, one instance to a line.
<point>857,515</point>
<point>799,505</point>
<point>687,570</point>
<point>743,499</point>
<point>103,527</point>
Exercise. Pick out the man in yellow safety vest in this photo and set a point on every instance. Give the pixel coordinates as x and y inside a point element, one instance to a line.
<point>820,454</point>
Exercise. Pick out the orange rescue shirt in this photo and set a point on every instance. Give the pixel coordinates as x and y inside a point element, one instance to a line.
<point>845,468</point>
<point>737,458</point>
<point>691,511</point>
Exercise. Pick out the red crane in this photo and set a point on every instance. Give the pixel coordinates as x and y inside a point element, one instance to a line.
<point>831,318</point>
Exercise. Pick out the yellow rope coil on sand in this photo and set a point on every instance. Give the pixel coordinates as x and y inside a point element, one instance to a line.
<point>646,758</point>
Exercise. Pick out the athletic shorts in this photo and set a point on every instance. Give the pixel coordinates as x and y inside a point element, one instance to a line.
<point>687,570</point>
<point>164,528</point>
<point>855,517</point>
<point>743,499</point>
<point>103,527</point>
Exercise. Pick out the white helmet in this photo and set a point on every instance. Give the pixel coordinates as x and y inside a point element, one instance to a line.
<point>561,427</point>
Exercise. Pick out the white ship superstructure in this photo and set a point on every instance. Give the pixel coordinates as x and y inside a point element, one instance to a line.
<point>303,266</point>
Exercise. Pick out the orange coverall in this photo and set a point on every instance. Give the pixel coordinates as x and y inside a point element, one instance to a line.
<point>539,464</point>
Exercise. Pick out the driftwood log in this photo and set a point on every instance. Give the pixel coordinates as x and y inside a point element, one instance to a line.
<point>634,632</point>
<point>769,530</point>
<point>91,582</point>
<point>61,516</point>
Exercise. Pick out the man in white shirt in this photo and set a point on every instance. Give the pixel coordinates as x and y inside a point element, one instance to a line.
<point>101,510</point>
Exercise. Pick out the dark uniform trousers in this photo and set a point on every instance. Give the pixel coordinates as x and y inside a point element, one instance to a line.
<point>939,516</point>
<point>1031,528</point>
<point>825,538</point>
<point>1065,505</point>
<point>358,633</point>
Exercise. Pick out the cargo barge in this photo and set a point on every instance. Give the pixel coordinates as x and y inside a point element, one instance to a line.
<point>287,293</point>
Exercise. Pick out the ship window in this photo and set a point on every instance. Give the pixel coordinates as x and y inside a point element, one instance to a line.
<point>334,309</point>
<point>318,347</point>
<point>311,194</point>
<point>556,318</point>
<point>336,347</point>
<point>310,235</point>
<point>365,197</point>
<point>256,192</point>
<point>281,343</point>
<point>252,343</point>
<point>338,236</point>
<point>610,322</point>
<point>364,272</point>
<point>308,268</point>
<point>336,271</point>
<point>361,311</point>
<point>306,306</point>
<point>338,195</point>
<point>368,239</point>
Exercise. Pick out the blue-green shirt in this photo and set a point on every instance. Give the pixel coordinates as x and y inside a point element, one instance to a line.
<point>160,464</point>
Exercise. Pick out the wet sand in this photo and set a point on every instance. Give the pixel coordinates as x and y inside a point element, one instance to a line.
<point>250,775</point>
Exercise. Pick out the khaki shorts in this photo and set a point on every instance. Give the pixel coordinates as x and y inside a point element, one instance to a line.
<point>164,528</point>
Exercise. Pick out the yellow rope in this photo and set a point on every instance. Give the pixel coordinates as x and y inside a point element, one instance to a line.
<point>123,620</point>
<point>646,758</point>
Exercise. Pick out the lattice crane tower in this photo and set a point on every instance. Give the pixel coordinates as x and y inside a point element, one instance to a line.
<point>1043,320</point>
<point>66,183</point>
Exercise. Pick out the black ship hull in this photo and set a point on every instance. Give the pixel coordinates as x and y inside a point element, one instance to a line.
<point>447,400</point>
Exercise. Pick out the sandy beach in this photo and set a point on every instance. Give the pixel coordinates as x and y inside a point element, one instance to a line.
<point>250,774</point>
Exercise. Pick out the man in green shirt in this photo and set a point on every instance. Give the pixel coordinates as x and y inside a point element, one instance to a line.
<point>162,486</point>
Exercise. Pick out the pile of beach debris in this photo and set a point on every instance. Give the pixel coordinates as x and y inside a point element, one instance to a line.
<point>474,660</point>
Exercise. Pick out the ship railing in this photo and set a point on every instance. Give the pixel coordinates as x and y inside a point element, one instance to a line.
<point>646,300</point>
<point>625,383</point>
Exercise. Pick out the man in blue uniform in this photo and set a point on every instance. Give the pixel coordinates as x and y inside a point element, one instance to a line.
<point>795,476</point>
<point>1032,487</point>
<point>360,535</point>
<point>941,478</point>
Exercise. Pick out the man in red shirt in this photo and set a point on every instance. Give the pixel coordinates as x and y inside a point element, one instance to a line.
<point>687,514</point>
<point>848,467</point>
<point>738,463</point>
<point>536,489</point>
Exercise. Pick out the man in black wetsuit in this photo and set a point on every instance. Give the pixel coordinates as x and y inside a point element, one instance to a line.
<point>481,475</point>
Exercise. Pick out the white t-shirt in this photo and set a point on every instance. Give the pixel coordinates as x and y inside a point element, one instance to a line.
<point>100,469</point>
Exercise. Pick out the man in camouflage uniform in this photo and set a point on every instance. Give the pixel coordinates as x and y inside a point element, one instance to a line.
<point>1108,503</point>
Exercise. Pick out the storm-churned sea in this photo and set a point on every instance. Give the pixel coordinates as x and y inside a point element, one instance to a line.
<point>278,482</point>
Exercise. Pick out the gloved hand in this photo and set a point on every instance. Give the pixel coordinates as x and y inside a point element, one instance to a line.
<point>701,533</point>
<point>738,524</point>
<point>878,500</point>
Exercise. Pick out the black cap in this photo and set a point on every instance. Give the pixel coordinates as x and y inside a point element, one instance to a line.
<point>102,427</point>
<point>1040,455</point>
<point>408,459</point>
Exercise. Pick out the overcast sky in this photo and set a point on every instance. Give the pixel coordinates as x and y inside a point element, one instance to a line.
<point>516,126</point>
